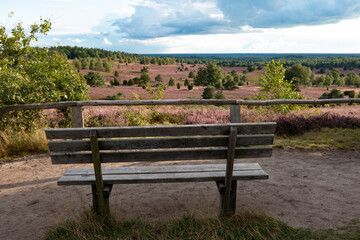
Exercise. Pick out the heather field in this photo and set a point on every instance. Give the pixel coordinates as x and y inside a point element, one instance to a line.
<point>129,71</point>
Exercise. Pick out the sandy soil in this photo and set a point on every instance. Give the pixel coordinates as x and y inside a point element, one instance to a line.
<point>312,189</point>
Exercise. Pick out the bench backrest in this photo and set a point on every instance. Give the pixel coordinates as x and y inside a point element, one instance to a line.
<point>160,143</point>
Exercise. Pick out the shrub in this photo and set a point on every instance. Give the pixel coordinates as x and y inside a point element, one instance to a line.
<point>178,85</point>
<point>190,87</point>
<point>130,82</point>
<point>186,82</point>
<point>125,82</point>
<point>335,93</point>
<point>158,78</point>
<point>116,82</point>
<point>219,95</point>
<point>116,73</point>
<point>171,81</point>
<point>94,79</point>
<point>208,93</point>
<point>351,94</point>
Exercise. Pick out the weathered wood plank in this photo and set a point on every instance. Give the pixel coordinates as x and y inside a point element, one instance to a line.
<point>77,120</point>
<point>150,143</point>
<point>161,155</point>
<point>235,113</point>
<point>162,178</point>
<point>173,130</point>
<point>174,102</point>
<point>98,175</point>
<point>229,169</point>
<point>163,169</point>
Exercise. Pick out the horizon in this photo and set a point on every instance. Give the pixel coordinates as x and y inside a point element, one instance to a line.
<point>195,26</point>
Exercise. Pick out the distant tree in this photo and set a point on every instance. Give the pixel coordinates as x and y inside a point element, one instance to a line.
<point>145,69</point>
<point>77,64</point>
<point>234,73</point>
<point>219,95</point>
<point>190,87</point>
<point>130,82</point>
<point>229,82</point>
<point>299,75</point>
<point>335,93</point>
<point>211,75</point>
<point>178,85</point>
<point>125,82</point>
<point>171,81</point>
<point>352,79</point>
<point>116,73</point>
<point>158,78</point>
<point>208,93</point>
<point>251,68</point>
<point>192,74</point>
<point>94,79</point>
<point>186,82</point>
<point>144,78</point>
<point>116,82</point>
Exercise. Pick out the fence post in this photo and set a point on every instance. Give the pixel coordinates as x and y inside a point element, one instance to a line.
<point>235,114</point>
<point>77,120</point>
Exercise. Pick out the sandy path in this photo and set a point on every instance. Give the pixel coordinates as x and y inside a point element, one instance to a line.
<point>311,189</point>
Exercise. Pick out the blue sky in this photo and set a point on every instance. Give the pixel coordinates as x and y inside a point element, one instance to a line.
<point>201,26</point>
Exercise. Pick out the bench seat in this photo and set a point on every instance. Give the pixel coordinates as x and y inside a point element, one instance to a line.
<point>162,174</point>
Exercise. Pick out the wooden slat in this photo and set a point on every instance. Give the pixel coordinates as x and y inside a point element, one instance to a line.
<point>162,178</point>
<point>173,130</point>
<point>149,143</point>
<point>161,155</point>
<point>163,169</point>
<point>229,168</point>
<point>97,170</point>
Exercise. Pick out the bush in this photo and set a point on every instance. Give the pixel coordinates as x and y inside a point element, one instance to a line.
<point>171,81</point>
<point>335,93</point>
<point>94,79</point>
<point>125,82</point>
<point>178,85</point>
<point>190,87</point>
<point>116,82</point>
<point>351,94</point>
<point>116,73</point>
<point>186,82</point>
<point>130,82</point>
<point>219,95</point>
<point>208,93</point>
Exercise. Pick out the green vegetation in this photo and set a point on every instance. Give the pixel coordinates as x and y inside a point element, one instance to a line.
<point>171,81</point>
<point>324,139</point>
<point>274,86</point>
<point>33,75</point>
<point>240,226</point>
<point>299,75</point>
<point>211,75</point>
<point>95,79</point>
<point>335,93</point>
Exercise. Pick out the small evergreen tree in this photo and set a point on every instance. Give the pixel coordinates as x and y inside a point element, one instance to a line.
<point>171,81</point>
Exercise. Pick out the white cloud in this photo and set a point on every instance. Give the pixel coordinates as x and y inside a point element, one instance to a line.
<point>77,40</point>
<point>107,42</point>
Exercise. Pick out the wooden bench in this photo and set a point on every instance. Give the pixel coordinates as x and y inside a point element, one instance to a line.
<point>162,143</point>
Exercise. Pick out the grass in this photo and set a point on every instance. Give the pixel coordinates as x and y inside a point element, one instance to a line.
<point>240,226</point>
<point>20,143</point>
<point>324,139</point>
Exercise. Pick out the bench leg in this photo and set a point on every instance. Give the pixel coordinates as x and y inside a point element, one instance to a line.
<point>232,207</point>
<point>107,192</point>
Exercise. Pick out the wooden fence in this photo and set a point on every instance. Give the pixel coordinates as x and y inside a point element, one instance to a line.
<point>78,122</point>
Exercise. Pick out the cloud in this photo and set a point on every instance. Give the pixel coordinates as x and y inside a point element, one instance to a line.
<point>287,13</point>
<point>77,40</point>
<point>154,19</point>
<point>107,42</point>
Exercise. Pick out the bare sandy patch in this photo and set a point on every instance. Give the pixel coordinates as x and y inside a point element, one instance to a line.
<point>312,189</point>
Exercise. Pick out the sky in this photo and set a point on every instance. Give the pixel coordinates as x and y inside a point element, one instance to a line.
<point>194,26</point>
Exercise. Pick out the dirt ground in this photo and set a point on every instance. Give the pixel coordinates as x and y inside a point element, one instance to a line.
<point>312,189</point>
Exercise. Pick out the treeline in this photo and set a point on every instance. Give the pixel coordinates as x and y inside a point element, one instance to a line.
<point>314,61</point>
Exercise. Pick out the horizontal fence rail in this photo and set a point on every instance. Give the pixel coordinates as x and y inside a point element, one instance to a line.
<point>39,106</point>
